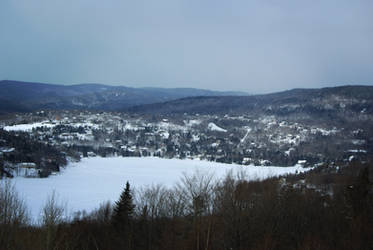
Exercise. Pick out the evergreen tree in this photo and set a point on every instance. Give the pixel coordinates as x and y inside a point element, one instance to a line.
<point>122,218</point>
<point>123,210</point>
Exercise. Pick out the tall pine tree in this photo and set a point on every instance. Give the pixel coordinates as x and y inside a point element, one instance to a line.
<point>122,218</point>
<point>123,210</point>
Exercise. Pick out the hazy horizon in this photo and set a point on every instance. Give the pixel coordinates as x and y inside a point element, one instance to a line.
<point>256,47</point>
<point>186,87</point>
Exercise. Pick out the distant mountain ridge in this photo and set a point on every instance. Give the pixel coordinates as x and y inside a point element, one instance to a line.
<point>334,102</point>
<point>342,102</point>
<point>17,96</point>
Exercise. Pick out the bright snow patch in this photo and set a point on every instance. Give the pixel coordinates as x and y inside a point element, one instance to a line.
<point>358,142</point>
<point>192,123</point>
<point>86,184</point>
<point>247,133</point>
<point>47,124</point>
<point>287,152</point>
<point>356,151</point>
<point>165,134</point>
<point>28,127</point>
<point>212,126</point>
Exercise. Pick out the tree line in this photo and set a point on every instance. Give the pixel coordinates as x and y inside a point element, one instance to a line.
<point>327,208</point>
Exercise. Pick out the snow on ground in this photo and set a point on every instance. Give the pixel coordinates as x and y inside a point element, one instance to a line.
<point>192,123</point>
<point>247,133</point>
<point>356,151</point>
<point>324,132</point>
<point>287,152</point>
<point>358,142</point>
<point>169,126</point>
<point>86,184</point>
<point>47,124</point>
<point>84,125</point>
<point>130,126</point>
<point>28,127</point>
<point>212,126</point>
<point>165,134</point>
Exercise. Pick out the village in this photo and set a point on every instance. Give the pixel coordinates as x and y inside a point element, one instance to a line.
<point>244,140</point>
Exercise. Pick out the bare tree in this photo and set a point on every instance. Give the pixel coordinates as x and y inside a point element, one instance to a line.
<point>13,214</point>
<point>53,212</point>
<point>174,203</point>
<point>153,199</point>
<point>103,213</point>
<point>13,210</point>
<point>196,191</point>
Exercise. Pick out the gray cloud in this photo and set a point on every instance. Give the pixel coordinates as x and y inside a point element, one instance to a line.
<point>255,46</point>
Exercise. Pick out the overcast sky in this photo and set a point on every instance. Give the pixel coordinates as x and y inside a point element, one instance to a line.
<point>255,46</point>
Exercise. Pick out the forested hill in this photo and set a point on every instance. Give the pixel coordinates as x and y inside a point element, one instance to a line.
<point>16,96</point>
<point>325,101</point>
<point>335,102</point>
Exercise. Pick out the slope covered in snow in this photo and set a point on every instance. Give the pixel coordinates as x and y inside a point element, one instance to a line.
<point>212,126</point>
<point>28,127</point>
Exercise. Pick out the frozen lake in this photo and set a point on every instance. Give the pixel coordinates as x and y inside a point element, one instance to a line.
<point>86,184</point>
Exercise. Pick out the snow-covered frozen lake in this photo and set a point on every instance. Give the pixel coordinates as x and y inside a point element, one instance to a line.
<point>86,184</point>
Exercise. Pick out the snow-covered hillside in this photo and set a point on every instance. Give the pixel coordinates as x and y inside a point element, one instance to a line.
<point>213,127</point>
<point>28,127</point>
<point>84,185</point>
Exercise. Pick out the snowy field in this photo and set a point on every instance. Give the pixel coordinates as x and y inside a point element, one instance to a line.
<point>86,184</point>
<point>28,127</point>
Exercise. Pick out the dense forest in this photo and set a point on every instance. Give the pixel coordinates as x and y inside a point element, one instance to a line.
<point>328,207</point>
